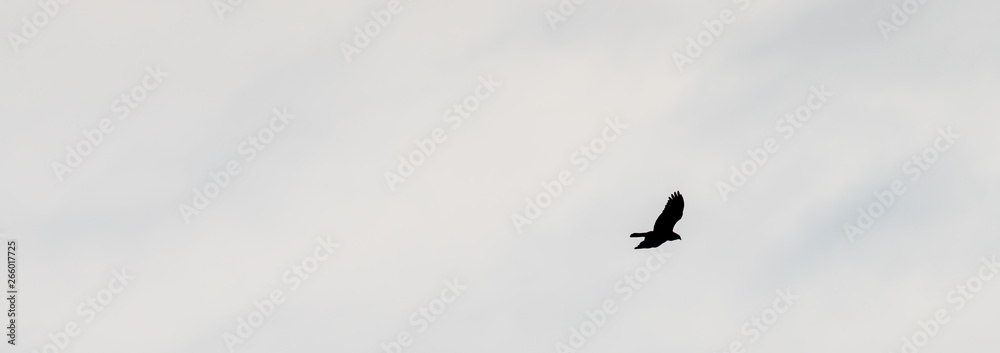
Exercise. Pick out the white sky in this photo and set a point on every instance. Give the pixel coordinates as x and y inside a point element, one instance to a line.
<point>323,175</point>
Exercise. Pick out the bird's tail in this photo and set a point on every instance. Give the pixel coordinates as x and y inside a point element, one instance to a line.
<point>638,235</point>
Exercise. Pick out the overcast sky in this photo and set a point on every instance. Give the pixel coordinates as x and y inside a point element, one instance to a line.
<point>892,95</point>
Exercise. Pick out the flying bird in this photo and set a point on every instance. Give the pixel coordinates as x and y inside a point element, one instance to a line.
<point>663,229</point>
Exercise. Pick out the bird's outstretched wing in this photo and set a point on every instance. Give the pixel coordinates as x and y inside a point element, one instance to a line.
<point>671,214</point>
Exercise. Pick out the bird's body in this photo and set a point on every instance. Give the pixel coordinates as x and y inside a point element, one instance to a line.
<point>653,239</point>
<point>663,229</point>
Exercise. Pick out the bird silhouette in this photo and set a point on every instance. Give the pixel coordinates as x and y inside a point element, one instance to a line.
<point>663,229</point>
